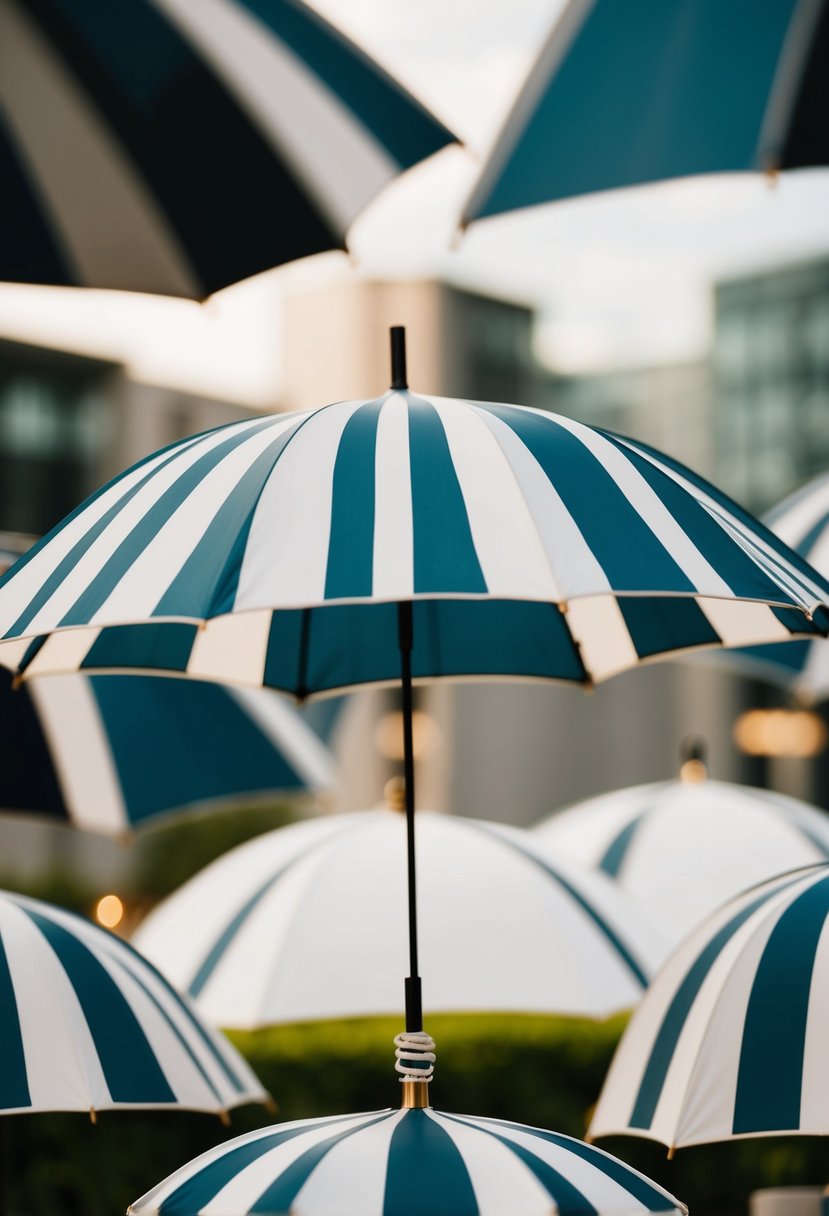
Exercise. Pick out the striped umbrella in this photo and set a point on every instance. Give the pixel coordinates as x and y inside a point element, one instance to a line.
<point>501,928</point>
<point>730,1039</point>
<point>680,847</point>
<point>405,537</point>
<point>89,1025</point>
<point>177,146</point>
<point>802,521</point>
<point>603,109</point>
<point>411,1162</point>
<point>111,753</point>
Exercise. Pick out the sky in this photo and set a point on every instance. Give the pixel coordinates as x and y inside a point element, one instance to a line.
<point>618,279</point>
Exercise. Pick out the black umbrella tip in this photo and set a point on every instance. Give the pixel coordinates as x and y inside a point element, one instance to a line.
<point>398,357</point>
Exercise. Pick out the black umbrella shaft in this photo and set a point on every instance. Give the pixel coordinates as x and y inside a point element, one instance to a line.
<point>414,1004</point>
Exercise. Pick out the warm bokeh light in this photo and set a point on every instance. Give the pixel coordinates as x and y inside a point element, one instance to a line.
<point>791,733</point>
<point>109,911</point>
<point>692,771</point>
<point>388,735</point>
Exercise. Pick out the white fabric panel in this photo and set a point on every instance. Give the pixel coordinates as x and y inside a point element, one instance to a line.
<point>62,652</point>
<point>92,195</point>
<point>814,1118</point>
<point>393,570</point>
<point>583,831</point>
<point>12,652</point>
<point>573,565</point>
<point>357,1168</point>
<point>742,623</point>
<point>61,1060</point>
<point>506,543</point>
<point>287,551</point>
<point>232,648</point>
<point>154,569</point>
<point>280,723</point>
<point>106,544</point>
<point>71,722</point>
<point>501,1181</point>
<point>334,157</point>
<point>795,517</point>
<point>605,644</point>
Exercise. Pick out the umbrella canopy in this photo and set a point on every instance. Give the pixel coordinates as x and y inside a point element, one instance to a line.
<point>802,521</point>
<point>89,1025</point>
<point>112,753</point>
<point>730,1040</point>
<point>177,147</point>
<point>286,927</point>
<point>405,1163</point>
<point>276,550</point>
<point>626,92</point>
<point>680,847</point>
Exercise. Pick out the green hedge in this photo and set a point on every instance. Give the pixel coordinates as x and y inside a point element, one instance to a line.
<point>543,1071</point>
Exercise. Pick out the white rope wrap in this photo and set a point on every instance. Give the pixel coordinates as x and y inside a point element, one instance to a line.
<point>419,1048</point>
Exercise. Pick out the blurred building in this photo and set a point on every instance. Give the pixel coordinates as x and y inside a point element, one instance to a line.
<point>771,381</point>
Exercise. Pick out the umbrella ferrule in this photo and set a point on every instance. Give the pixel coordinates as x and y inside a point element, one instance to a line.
<point>415,1061</point>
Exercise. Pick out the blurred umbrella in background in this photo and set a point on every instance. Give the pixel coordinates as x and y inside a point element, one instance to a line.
<point>682,848</point>
<point>178,146</point>
<point>88,1025</point>
<point>321,907</point>
<point>802,521</point>
<point>113,753</point>
<point>627,92</point>
<point>730,1039</point>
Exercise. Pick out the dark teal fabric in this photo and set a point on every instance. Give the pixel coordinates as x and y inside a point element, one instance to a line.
<point>14,1080</point>
<point>350,569</point>
<point>646,91</point>
<point>770,1078</point>
<point>426,1171</point>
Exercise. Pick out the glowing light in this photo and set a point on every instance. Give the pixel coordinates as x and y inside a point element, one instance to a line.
<point>692,771</point>
<point>109,911</point>
<point>792,733</point>
<point>388,735</point>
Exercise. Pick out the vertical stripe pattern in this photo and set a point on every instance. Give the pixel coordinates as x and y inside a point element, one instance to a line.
<point>730,1038</point>
<point>490,517</point>
<point>90,1025</point>
<point>426,1161</point>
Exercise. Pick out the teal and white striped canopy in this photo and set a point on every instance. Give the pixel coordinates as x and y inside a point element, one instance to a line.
<point>273,551</point>
<point>802,521</point>
<point>730,1039</point>
<point>89,1025</point>
<point>113,753</point>
<point>177,147</point>
<point>405,1163</point>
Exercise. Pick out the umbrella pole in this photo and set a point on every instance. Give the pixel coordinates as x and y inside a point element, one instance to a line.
<point>414,1003</point>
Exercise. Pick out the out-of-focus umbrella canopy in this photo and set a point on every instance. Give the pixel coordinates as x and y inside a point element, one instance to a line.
<point>89,1025</point>
<point>628,91</point>
<point>309,921</point>
<point>529,545</point>
<point>112,753</point>
<point>178,146</point>
<point>405,1163</point>
<point>682,848</point>
<point>802,521</point>
<point>730,1039</point>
